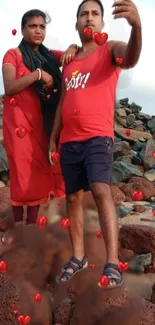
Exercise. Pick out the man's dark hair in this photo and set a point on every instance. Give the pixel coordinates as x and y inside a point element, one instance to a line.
<point>81,4</point>
<point>33,13</point>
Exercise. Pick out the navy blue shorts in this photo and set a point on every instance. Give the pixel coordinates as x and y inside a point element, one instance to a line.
<point>86,162</point>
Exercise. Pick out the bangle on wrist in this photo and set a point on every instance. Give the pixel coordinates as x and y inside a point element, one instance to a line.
<point>39,73</point>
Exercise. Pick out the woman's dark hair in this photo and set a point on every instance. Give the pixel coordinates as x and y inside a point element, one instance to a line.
<point>81,4</point>
<point>33,13</point>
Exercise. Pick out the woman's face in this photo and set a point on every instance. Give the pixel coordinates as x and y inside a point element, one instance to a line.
<point>34,31</point>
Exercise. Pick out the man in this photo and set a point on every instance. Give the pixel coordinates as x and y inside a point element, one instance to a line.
<point>85,120</point>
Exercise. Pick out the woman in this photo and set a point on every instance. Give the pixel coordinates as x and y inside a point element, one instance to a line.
<point>32,82</point>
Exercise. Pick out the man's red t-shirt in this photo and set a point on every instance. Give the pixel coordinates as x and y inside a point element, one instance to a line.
<point>88,106</point>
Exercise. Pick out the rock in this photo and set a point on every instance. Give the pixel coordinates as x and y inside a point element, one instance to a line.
<point>150,175</point>
<point>151,123</point>
<point>139,208</point>
<point>3,159</point>
<point>122,211</point>
<point>121,112</point>
<point>134,134</point>
<point>153,294</point>
<point>142,116</point>
<point>130,119</point>
<point>150,269</point>
<point>135,108</point>
<point>2,184</point>
<point>125,255</point>
<point>141,185</point>
<point>149,160</point>
<point>123,171</point>
<point>140,239</point>
<point>124,101</point>
<point>128,110</point>
<point>117,194</point>
<point>138,263</point>
<point>121,121</point>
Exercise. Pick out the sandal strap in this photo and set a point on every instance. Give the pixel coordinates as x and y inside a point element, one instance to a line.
<point>78,262</point>
<point>111,266</point>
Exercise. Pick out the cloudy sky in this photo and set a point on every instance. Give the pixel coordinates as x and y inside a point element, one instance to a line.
<point>138,84</point>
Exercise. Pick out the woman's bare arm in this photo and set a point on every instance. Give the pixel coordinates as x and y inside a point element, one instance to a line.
<point>13,85</point>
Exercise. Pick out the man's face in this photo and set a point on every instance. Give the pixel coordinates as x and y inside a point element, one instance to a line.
<point>90,16</point>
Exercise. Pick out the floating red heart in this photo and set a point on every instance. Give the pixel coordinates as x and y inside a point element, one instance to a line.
<point>99,38</point>
<point>138,196</point>
<point>153,212</point>
<point>24,320</point>
<point>3,266</point>
<point>15,312</point>
<point>58,203</point>
<point>119,61</point>
<point>88,32</point>
<point>123,266</point>
<point>48,96</point>
<point>37,297</point>
<point>42,222</point>
<point>12,102</point>
<point>153,154</point>
<point>55,156</point>
<point>127,132</point>
<point>104,281</point>
<point>92,266</point>
<point>13,306</point>
<point>21,132</point>
<point>14,32</point>
<point>154,265</point>
<point>65,223</point>
<point>99,234</point>
<point>55,90</point>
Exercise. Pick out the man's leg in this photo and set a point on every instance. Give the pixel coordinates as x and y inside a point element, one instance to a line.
<point>32,214</point>
<point>75,181</point>
<point>98,163</point>
<point>108,220</point>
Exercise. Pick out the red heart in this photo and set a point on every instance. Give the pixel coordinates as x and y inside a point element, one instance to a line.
<point>138,196</point>
<point>13,306</point>
<point>153,212</point>
<point>99,38</point>
<point>127,132</point>
<point>12,101</point>
<point>55,156</point>
<point>99,234</point>
<point>55,90</point>
<point>42,222</point>
<point>88,32</point>
<point>154,265</point>
<point>3,266</point>
<point>153,154</point>
<point>21,132</point>
<point>37,297</point>
<point>14,32</point>
<point>58,203</point>
<point>24,320</point>
<point>104,281</point>
<point>92,266</point>
<point>119,61</point>
<point>48,96</point>
<point>123,266</point>
<point>65,223</point>
<point>15,312</point>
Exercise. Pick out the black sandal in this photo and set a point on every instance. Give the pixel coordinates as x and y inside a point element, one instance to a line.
<point>68,275</point>
<point>113,273</point>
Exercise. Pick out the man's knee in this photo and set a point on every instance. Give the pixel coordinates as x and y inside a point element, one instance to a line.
<point>101,191</point>
<point>75,198</point>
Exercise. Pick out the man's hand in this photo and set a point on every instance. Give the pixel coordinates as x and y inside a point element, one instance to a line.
<point>128,10</point>
<point>52,152</point>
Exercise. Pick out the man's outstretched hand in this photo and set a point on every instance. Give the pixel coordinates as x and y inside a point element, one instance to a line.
<point>128,10</point>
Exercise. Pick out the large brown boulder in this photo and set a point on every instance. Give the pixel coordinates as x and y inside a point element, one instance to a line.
<point>140,239</point>
<point>117,194</point>
<point>137,184</point>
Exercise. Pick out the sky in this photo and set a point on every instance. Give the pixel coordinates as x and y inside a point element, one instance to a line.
<point>137,84</point>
